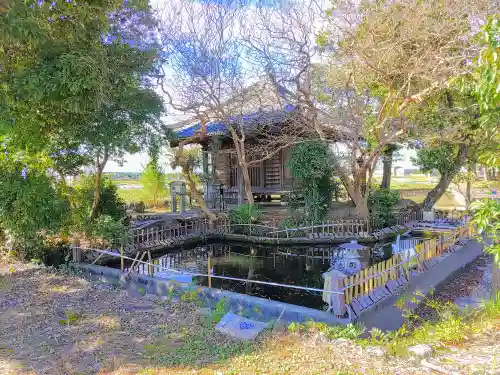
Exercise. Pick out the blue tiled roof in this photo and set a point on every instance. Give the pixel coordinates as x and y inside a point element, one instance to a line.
<point>248,120</point>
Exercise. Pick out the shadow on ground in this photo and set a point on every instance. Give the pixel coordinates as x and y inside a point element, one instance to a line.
<point>54,323</point>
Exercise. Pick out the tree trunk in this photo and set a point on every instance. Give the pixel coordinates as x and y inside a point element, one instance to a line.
<point>445,180</point>
<point>180,162</point>
<point>99,168</point>
<point>387,173</point>
<point>97,193</point>
<point>495,280</point>
<point>468,187</point>
<point>247,183</point>
<point>435,194</point>
<point>360,202</point>
<point>193,193</point>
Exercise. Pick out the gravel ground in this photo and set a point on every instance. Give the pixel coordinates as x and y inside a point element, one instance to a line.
<point>53,323</point>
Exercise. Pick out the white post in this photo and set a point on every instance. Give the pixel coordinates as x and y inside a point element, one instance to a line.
<point>333,294</point>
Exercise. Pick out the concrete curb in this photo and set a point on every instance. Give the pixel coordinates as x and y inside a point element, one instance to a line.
<point>253,307</point>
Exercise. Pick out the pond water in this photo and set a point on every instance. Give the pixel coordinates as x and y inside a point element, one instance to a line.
<point>292,265</point>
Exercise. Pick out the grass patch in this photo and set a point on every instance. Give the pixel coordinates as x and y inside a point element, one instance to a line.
<point>451,327</point>
<point>71,317</point>
<point>131,195</point>
<point>486,184</point>
<point>188,348</point>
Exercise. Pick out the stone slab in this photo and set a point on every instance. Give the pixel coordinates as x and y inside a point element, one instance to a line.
<point>240,327</point>
<point>367,300</point>
<point>362,302</point>
<point>374,296</point>
<point>392,285</point>
<point>356,307</point>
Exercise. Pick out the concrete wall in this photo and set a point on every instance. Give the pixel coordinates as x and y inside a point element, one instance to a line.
<point>250,306</point>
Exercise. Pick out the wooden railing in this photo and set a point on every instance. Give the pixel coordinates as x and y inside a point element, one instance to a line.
<point>163,232</point>
<point>396,271</point>
<point>405,217</point>
<point>339,227</point>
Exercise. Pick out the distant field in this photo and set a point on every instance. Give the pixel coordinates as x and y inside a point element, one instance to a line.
<point>447,202</point>
<point>396,185</point>
<point>414,181</point>
<point>131,195</point>
<point>127,182</point>
<point>486,184</point>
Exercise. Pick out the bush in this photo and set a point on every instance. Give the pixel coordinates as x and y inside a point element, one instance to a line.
<point>110,225</point>
<point>110,203</point>
<point>311,166</point>
<point>245,214</point>
<point>30,204</point>
<point>381,203</point>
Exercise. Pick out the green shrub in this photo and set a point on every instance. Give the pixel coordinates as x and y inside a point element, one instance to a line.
<point>381,203</point>
<point>221,308</point>
<point>311,166</point>
<point>243,215</point>
<point>110,203</point>
<point>246,214</point>
<point>31,203</point>
<point>111,206</point>
<point>109,229</point>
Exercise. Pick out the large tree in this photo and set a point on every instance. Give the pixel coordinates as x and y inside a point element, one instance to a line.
<point>399,64</point>
<point>76,72</point>
<point>210,77</point>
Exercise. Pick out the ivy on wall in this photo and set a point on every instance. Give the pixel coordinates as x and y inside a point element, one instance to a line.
<point>311,166</point>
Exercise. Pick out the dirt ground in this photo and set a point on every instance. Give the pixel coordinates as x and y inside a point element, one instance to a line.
<point>54,323</point>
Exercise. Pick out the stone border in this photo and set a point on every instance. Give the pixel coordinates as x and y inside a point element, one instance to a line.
<point>253,307</point>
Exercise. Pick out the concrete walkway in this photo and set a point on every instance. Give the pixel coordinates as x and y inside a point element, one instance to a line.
<point>389,317</point>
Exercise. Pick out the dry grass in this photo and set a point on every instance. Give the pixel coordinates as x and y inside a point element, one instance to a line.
<point>53,323</point>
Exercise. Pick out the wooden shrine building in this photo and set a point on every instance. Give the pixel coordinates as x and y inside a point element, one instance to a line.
<point>220,164</point>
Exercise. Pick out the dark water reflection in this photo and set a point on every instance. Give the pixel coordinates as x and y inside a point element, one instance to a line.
<point>301,266</point>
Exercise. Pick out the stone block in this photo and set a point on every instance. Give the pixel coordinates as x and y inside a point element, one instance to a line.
<point>421,350</point>
<point>240,327</point>
<point>392,285</point>
<point>356,307</point>
<point>374,297</point>
<point>362,302</point>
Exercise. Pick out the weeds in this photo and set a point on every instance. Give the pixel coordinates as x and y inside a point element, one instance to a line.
<point>221,308</point>
<point>196,347</point>
<point>452,326</point>
<point>349,331</point>
<point>71,318</point>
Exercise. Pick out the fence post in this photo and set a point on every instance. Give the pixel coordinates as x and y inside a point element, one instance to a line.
<point>122,266</point>
<point>77,252</point>
<point>209,266</point>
